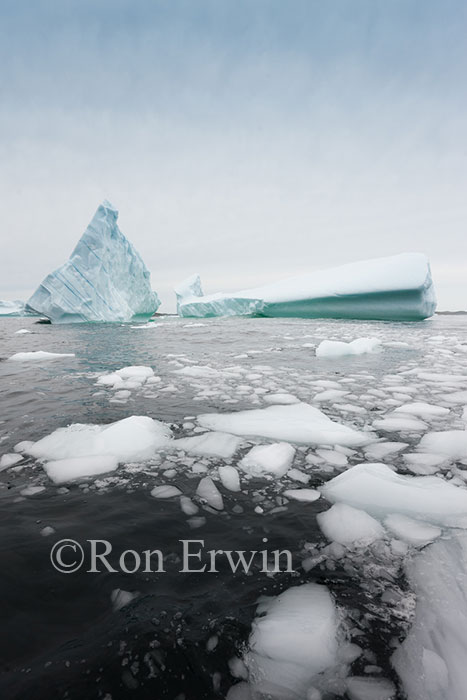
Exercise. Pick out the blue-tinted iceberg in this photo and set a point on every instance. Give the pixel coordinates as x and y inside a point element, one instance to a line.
<point>105,278</point>
<point>12,308</point>
<point>397,288</point>
<point>192,302</point>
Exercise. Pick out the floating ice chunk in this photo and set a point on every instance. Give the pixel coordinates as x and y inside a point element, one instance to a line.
<point>393,288</point>
<point>47,531</point>
<point>32,490</point>
<point>105,278</point>
<point>284,399</point>
<point>198,371</point>
<point>333,457</point>
<point>229,478</point>
<point>380,450</point>
<point>22,331</point>
<point>423,410</point>
<point>410,530</point>
<point>273,459</point>
<point>120,598</point>
<point>212,444</point>
<point>401,424</point>
<point>431,660</point>
<point>425,463</point>
<point>187,506</point>
<point>308,495</point>
<point>132,439</point>
<point>298,475</point>
<point>9,459</point>
<point>451,443</point>
<point>208,491</point>
<point>456,397</point>
<point>62,470</point>
<point>349,526</point>
<point>299,423</point>
<point>379,491</point>
<point>330,395</point>
<point>39,355</point>
<point>368,688</point>
<point>165,491</point>
<point>294,638</point>
<point>337,348</point>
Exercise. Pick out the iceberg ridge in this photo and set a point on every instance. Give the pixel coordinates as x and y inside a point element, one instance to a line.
<point>105,278</point>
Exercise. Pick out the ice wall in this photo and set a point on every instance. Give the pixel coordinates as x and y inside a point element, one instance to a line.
<point>397,288</point>
<point>105,278</point>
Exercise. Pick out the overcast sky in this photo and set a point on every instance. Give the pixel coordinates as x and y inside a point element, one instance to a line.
<point>246,140</point>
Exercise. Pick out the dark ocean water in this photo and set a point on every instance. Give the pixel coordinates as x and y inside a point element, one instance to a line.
<point>60,636</point>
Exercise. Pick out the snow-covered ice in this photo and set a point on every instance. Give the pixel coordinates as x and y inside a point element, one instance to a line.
<point>275,459</point>
<point>337,348</point>
<point>39,355</point>
<point>297,423</point>
<point>393,288</point>
<point>349,526</point>
<point>380,491</point>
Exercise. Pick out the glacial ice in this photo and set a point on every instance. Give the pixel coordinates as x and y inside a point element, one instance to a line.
<point>39,355</point>
<point>105,278</point>
<point>14,308</point>
<point>396,288</point>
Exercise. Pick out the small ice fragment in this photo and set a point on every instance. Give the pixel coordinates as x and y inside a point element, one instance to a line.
<point>337,348</point>
<point>38,355</point>
<point>120,598</point>
<point>187,506</point>
<point>229,478</point>
<point>212,444</point>
<point>273,459</point>
<point>9,459</point>
<point>23,446</point>
<point>368,688</point>
<point>32,490</point>
<point>47,531</point>
<point>165,491</point>
<point>308,495</point>
<point>208,491</point>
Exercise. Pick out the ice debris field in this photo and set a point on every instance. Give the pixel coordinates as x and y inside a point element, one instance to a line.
<point>347,419</point>
<point>106,280</point>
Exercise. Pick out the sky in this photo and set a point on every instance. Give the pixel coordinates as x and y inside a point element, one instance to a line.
<point>245,140</point>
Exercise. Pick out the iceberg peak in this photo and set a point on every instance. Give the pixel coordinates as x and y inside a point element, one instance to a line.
<point>105,278</point>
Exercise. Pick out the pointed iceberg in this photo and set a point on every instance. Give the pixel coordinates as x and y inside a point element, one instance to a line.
<point>396,288</point>
<point>105,278</point>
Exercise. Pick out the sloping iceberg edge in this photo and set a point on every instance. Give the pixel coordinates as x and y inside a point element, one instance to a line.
<point>396,288</point>
<point>105,278</point>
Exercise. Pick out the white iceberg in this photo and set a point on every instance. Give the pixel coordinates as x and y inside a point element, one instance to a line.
<point>396,288</point>
<point>105,279</point>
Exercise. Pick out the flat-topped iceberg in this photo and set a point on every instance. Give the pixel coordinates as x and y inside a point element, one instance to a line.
<point>105,278</point>
<point>396,288</point>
